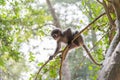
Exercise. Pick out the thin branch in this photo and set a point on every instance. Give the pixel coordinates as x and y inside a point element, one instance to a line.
<point>108,8</point>
<point>108,13</point>
<point>99,40</point>
<point>55,18</point>
<point>41,69</point>
<point>99,2</point>
<point>116,5</point>
<point>45,64</point>
<point>77,35</point>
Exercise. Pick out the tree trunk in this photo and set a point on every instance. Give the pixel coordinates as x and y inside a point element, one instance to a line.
<point>111,65</point>
<point>66,70</point>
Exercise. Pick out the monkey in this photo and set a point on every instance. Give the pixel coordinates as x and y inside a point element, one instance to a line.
<point>66,37</point>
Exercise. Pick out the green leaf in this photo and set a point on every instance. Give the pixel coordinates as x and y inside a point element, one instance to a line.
<point>90,68</point>
<point>2,2</point>
<point>31,57</point>
<point>1,62</point>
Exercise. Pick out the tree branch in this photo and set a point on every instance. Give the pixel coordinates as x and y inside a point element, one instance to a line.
<point>111,65</point>
<point>99,2</point>
<point>64,53</point>
<point>45,65</point>
<point>108,13</point>
<point>55,18</point>
<point>116,4</point>
<point>116,39</point>
<point>77,35</point>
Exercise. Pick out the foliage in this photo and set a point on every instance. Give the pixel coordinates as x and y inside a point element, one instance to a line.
<point>23,20</point>
<point>19,21</point>
<point>66,1</point>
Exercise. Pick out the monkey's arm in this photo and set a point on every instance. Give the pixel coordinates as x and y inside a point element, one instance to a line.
<point>90,56</point>
<point>56,50</point>
<point>58,47</point>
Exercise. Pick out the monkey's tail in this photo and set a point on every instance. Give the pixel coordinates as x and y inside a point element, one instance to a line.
<point>86,49</point>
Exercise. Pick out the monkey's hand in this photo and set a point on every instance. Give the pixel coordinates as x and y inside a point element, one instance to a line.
<point>51,57</point>
<point>60,56</point>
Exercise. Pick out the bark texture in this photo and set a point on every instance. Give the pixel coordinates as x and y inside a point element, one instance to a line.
<point>111,65</point>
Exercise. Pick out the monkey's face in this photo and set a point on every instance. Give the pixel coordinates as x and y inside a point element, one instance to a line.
<point>56,34</point>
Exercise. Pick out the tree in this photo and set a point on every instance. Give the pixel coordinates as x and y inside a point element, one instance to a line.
<point>24,20</point>
<point>111,64</point>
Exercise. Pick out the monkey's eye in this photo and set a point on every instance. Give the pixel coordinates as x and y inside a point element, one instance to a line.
<point>55,36</point>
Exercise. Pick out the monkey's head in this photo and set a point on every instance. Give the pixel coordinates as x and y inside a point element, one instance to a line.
<point>56,34</point>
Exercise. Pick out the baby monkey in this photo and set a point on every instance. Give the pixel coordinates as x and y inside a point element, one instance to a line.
<point>66,37</point>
